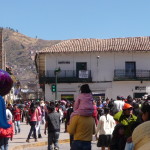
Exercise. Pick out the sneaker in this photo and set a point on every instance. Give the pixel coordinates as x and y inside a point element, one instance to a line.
<point>56,148</point>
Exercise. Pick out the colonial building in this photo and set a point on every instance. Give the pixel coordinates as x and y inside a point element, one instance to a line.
<point>111,67</point>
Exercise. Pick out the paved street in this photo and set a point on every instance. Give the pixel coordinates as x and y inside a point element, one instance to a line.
<point>64,146</point>
<point>19,140</point>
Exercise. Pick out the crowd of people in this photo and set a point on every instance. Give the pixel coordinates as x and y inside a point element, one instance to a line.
<point>114,123</point>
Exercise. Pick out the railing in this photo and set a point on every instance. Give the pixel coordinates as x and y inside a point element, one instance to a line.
<point>66,76</point>
<point>120,74</point>
<point>62,73</point>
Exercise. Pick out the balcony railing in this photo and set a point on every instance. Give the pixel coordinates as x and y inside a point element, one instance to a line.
<point>120,74</point>
<point>66,76</point>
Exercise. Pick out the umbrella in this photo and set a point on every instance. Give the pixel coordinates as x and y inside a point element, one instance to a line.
<point>63,101</point>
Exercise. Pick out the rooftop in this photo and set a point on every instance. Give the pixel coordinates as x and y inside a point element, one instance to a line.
<point>100,45</point>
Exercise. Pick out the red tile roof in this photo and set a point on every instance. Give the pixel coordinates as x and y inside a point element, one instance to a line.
<point>96,45</point>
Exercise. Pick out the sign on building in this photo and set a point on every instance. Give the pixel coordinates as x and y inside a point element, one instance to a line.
<point>140,88</point>
<point>83,74</point>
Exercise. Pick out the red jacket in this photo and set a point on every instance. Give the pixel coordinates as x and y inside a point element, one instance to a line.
<point>95,113</point>
<point>17,114</point>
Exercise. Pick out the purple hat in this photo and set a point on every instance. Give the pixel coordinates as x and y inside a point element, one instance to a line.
<point>6,82</point>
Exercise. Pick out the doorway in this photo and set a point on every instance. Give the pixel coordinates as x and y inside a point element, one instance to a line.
<point>130,69</point>
<point>80,66</point>
<point>139,95</point>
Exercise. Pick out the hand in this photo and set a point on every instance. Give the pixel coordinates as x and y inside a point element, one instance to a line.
<point>129,139</point>
<point>96,136</point>
<point>45,132</point>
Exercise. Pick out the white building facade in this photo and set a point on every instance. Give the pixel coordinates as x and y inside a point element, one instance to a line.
<point>111,67</point>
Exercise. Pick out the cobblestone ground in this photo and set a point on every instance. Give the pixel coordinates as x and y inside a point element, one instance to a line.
<point>64,146</point>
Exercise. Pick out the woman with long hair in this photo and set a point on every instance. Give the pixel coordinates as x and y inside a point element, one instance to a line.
<point>105,128</point>
<point>33,118</point>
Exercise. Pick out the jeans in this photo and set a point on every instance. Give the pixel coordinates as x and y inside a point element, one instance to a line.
<point>53,139</point>
<point>4,143</point>
<point>38,125</point>
<point>32,129</point>
<point>71,139</point>
<point>17,126</point>
<point>81,145</point>
<point>43,120</point>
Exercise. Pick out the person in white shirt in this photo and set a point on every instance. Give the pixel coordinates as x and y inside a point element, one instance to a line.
<point>8,115</point>
<point>105,128</point>
<point>118,104</point>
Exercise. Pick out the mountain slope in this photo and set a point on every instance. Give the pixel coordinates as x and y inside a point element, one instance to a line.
<point>20,52</point>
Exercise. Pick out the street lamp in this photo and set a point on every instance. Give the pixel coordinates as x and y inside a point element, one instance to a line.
<point>56,76</point>
<point>97,66</point>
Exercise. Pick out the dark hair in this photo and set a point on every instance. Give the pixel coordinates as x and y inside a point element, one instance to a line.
<point>146,108</point>
<point>32,107</point>
<point>118,97</point>
<point>106,110</point>
<point>37,103</point>
<point>85,88</point>
<point>129,99</point>
<point>51,108</point>
<point>14,105</point>
<point>116,129</point>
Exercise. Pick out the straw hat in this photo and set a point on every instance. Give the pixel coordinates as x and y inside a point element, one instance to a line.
<point>141,136</point>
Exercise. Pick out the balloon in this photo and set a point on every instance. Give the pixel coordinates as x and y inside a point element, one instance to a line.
<point>6,82</point>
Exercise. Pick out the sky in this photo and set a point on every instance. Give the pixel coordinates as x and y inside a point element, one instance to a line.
<point>73,19</point>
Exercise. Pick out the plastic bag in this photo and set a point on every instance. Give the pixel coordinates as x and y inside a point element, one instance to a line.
<point>129,146</point>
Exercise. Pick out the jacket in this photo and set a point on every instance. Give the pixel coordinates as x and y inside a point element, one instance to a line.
<point>128,123</point>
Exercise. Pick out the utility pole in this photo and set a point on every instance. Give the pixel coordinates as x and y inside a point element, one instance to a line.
<point>56,85</point>
<point>56,81</point>
<point>97,67</point>
<point>1,49</point>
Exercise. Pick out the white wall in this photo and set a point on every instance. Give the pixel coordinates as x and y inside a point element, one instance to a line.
<point>102,71</point>
<point>102,68</point>
<point>125,88</point>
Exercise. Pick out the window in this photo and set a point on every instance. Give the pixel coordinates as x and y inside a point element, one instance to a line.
<point>130,69</point>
